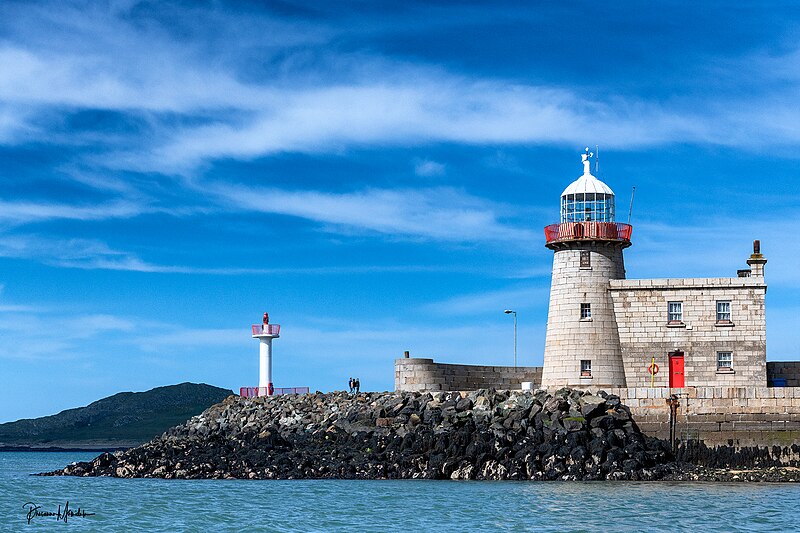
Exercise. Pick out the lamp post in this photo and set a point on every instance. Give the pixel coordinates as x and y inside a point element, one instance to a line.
<point>508,312</point>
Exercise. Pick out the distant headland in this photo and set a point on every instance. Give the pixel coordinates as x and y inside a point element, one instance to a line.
<point>120,421</point>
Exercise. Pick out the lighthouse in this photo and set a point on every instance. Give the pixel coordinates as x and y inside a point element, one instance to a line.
<point>582,346</point>
<point>265,332</point>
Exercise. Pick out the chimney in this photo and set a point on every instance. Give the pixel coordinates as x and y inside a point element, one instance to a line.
<point>756,261</point>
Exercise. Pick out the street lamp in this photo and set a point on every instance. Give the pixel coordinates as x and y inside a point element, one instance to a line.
<point>508,312</point>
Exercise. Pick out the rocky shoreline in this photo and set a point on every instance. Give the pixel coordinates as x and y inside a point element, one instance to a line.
<point>484,434</point>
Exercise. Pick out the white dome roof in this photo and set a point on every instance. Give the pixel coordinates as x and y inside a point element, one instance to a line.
<point>587,183</point>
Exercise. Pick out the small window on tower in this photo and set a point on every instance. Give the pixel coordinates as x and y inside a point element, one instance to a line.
<point>586,311</point>
<point>586,368</point>
<point>586,259</point>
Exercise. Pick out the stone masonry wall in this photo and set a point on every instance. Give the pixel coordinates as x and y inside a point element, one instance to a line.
<point>570,338</point>
<point>415,374</point>
<point>641,313</point>
<point>737,416</point>
<point>788,370</point>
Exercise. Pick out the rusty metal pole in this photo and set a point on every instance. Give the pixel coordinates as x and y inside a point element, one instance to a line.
<point>673,403</point>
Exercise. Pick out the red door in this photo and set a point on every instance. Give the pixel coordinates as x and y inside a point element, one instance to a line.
<point>676,370</point>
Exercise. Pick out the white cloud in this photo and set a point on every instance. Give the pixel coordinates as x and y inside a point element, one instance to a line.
<point>90,254</point>
<point>17,309</point>
<point>25,327</point>
<point>436,107</point>
<point>492,302</point>
<point>106,62</point>
<point>27,212</point>
<point>438,213</point>
<point>191,337</point>
<point>716,248</point>
<point>72,253</point>
<point>428,168</point>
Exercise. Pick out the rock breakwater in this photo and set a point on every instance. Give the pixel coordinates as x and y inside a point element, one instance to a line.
<point>485,434</point>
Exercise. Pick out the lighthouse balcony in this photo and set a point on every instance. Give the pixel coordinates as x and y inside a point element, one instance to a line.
<point>260,330</point>
<point>588,231</point>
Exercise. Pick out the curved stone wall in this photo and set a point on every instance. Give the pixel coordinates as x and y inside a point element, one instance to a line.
<point>571,338</point>
<point>416,374</point>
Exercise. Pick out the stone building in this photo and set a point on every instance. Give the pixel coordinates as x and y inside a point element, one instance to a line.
<point>604,330</point>
<point>706,337</point>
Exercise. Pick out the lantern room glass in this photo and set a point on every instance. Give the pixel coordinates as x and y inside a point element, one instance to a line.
<point>587,207</point>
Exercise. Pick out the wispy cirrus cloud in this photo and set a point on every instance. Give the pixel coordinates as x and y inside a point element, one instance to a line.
<point>73,253</point>
<point>436,107</point>
<point>428,168</point>
<point>23,327</point>
<point>93,254</point>
<point>23,212</point>
<point>438,213</point>
<point>718,247</point>
<point>491,301</point>
<point>410,104</point>
<point>202,103</point>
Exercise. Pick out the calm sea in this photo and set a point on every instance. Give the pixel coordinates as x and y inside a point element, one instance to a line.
<point>210,506</point>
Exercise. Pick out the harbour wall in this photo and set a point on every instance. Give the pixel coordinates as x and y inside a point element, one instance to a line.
<point>788,370</point>
<point>417,374</point>
<point>737,417</point>
<point>719,416</point>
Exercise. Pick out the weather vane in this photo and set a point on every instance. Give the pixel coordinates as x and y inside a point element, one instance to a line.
<point>585,158</point>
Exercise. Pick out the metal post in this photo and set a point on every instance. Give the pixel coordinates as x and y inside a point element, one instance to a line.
<point>508,312</point>
<point>673,403</point>
<point>515,340</point>
<point>653,373</point>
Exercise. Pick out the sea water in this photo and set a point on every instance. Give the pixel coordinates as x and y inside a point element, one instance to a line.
<point>405,505</point>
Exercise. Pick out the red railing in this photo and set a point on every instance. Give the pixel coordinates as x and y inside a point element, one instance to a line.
<point>572,231</point>
<point>254,392</point>
<point>266,329</point>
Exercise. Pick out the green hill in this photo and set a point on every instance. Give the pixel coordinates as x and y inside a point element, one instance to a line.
<point>122,420</point>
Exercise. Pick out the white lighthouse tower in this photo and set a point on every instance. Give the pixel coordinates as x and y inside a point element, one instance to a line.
<point>582,345</point>
<point>265,332</point>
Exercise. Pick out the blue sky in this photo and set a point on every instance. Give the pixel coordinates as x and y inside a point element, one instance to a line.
<point>375,175</point>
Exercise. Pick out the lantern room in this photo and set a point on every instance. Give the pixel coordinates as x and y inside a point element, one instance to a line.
<point>587,199</point>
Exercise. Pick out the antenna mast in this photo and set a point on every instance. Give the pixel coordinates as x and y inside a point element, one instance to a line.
<point>630,211</point>
<point>597,161</point>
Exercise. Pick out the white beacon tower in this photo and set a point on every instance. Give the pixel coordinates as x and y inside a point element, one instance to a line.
<point>582,346</point>
<point>265,333</point>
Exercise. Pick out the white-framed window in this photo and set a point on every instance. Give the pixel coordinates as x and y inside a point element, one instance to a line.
<point>586,367</point>
<point>724,360</point>
<point>675,311</point>
<point>723,311</point>
<point>586,310</point>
